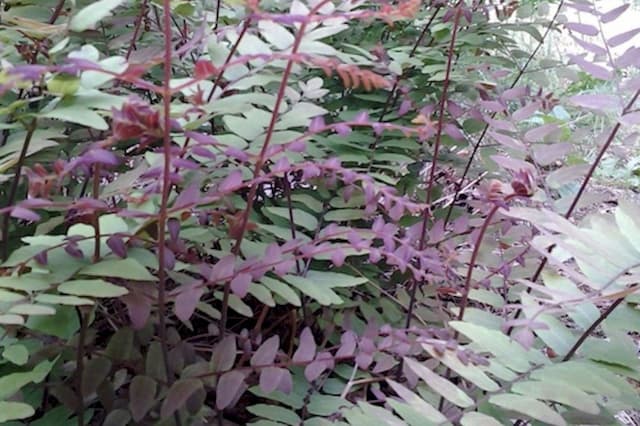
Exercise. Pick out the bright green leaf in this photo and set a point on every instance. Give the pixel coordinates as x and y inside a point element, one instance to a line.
<point>128,269</point>
<point>92,288</point>
<point>528,406</point>
<point>88,17</point>
<point>14,411</point>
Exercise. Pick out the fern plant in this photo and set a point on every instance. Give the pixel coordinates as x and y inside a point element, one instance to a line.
<point>309,212</point>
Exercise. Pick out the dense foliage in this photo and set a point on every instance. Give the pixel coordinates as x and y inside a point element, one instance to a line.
<point>314,212</point>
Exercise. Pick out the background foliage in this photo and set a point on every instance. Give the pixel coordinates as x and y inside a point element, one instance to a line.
<point>315,212</point>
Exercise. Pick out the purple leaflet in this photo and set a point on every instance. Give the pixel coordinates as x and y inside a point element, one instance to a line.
<point>596,71</point>
<point>584,29</point>
<point>232,182</point>
<point>599,101</point>
<point>266,353</point>
<point>539,133</point>
<point>117,246</point>
<point>240,284</point>
<point>274,378</point>
<point>614,13</point>
<point>223,269</point>
<point>187,300</point>
<point>307,347</point>
<point>24,214</point>
<point>619,39</point>
<point>138,308</point>
<point>173,225</point>
<point>229,386</point>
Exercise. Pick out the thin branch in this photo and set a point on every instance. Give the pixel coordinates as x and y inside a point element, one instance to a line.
<point>585,182</point>
<point>262,156</point>
<point>166,190</point>
<point>521,72</point>
<point>31,128</point>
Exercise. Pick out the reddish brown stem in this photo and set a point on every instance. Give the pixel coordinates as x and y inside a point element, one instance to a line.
<point>261,157</point>
<point>166,190</point>
<point>583,187</point>
<point>476,147</point>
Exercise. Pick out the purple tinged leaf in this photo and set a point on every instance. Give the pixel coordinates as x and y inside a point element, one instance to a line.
<point>297,146</point>
<point>599,101</point>
<point>138,308</point>
<point>232,182</point>
<point>281,166</point>
<point>25,214</point>
<point>41,257</point>
<point>525,337</point>
<point>396,212</point>
<point>188,196</point>
<point>230,384</point>
<point>224,355</point>
<point>630,119</point>
<point>332,163</point>
<point>364,360</point>
<point>240,284</point>
<point>35,203</point>
<point>347,345</point>
<point>507,141</point>
<point>547,154</point>
<point>266,353</point>
<point>361,118</point>
<point>526,111</point>
<point>342,129</point>
<point>152,173</point>
<point>223,270</point>
<point>631,57</point>
<point>187,300</point>
<point>202,151</point>
<point>596,71</point>
<point>173,225</point>
<point>169,259</point>
<point>317,124</point>
<point>101,156</point>
<point>178,395</point>
<point>500,125</point>
<point>28,72</point>
<point>591,47</point>
<point>492,106</point>
<point>378,128</point>
<point>384,362</point>
<point>337,257</point>
<point>284,267</point>
<point>623,38</point>
<point>564,175</point>
<point>314,369</point>
<point>117,246</point>
<point>74,251</point>
<point>307,347</point>
<point>454,132</point>
<point>513,164</point>
<point>468,15</point>
<point>405,107</point>
<point>274,378</point>
<point>539,133</point>
<point>449,14</point>
<point>587,8</point>
<point>201,138</point>
<point>614,13</point>
<point>182,163</point>
<point>584,29</point>
<point>310,171</point>
<point>513,94</point>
